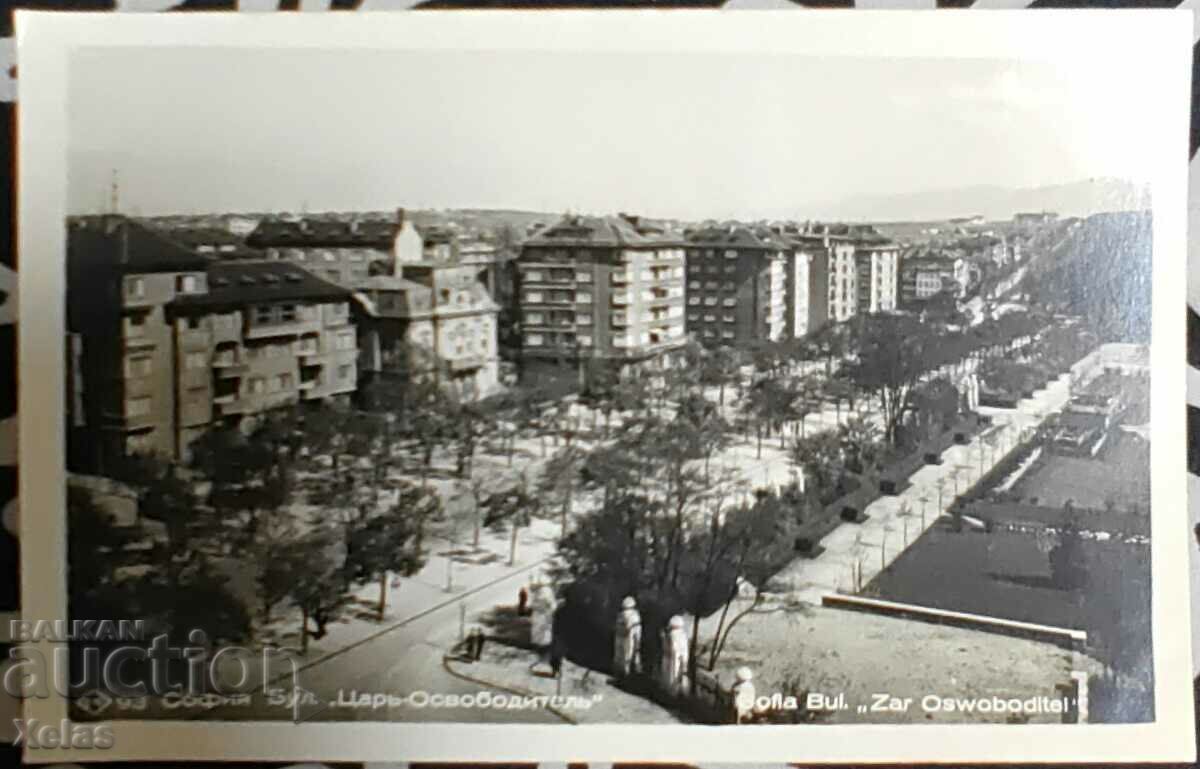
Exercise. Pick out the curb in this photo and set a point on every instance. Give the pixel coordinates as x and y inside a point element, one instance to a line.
<point>506,689</point>
<point>412,618</point>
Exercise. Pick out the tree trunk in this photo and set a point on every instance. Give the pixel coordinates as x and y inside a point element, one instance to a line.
<point>383,585</point>
<point>512,547</point>
<point>303,629</point>
<point>478,524</point>
<point>760,440</point>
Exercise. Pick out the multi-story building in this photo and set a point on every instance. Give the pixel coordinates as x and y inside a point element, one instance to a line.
<point>809,295</point>
<point>1034,218</point>
<point>737,285</point>
<point>843,279</point>
<point>598,292</point>
<point>430,320</point>
<point>877,268</point>
<point>342,252</point>
<point>925,274</point>
<point>164,342</point>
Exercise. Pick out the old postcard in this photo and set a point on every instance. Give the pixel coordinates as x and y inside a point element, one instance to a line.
<point>604,386</point>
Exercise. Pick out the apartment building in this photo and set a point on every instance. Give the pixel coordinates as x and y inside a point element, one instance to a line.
<point>737,285</point>
<point>925,274</point>
<point>877,280</point>
<point>429,319</point>
<point>809,296</point>
<point>843,279</point>
<point>598,291</point>
<point>340,251</point>
<point>164,342</point>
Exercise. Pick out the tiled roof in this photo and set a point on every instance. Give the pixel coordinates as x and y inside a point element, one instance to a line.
<point>321,233</point>
<point>238,283</point>
<point>609,231</point>
<point>737,236</point>
<point>131,245</point>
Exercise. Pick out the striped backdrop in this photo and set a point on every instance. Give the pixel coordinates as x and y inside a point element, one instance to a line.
<point>9,568</point>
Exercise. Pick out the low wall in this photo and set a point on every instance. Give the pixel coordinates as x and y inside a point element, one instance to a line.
<point>1072,640</point>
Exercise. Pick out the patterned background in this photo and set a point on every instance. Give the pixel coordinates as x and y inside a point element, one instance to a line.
<point>9,565</point>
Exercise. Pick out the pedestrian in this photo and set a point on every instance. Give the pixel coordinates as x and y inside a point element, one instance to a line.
<point>522,602</point>
<point>477,640</point>
<point>556,655</point>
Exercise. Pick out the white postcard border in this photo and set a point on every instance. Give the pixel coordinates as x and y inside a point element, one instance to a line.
<point>1157,43</point>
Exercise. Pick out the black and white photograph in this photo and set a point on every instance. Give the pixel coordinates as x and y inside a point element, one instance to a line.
<point>540,386</point>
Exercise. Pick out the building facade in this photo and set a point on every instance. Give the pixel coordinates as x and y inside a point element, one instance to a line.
<point>341,252</point>
<point>877,267</point>
<point>843,279</point>
<point>430,321</point>
<point>808,299</point>
<point>924,275</point>
<point>737,286</point>
<point>163,342</point>
<point>594,291</point>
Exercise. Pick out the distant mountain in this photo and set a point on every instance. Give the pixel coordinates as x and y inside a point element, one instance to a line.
<point>1081,198</point>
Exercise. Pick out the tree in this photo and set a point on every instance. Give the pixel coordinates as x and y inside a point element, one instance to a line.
<point>819,456</point>
<point>95,550</point>
<point>513,507</point>
<point>247,477</point>
<point>561,477</point>
<point>389,540</point>
<point>312,571</point>
<point>894,353</point>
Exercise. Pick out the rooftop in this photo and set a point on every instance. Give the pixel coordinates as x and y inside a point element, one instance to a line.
<point>606,231</point>
<point>238,283</point>
<point>317,233</point>
<point>131,245</point>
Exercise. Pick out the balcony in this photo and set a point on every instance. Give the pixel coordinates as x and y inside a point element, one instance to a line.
<point>466,363</point>
<point>225,399</point>
<point>621,278</point>
<point>290,328</point>
<point>621,299</point>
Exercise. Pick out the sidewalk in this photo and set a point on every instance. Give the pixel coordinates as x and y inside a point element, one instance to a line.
<point>871,546</point>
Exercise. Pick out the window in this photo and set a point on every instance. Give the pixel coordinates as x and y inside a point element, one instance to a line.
<point>727,334</point>
<point>585,340</point>
<point>195,360</point>
<point>137,407</point>
<point>534,317</point>
<point>287,313</point>
<point>583,277</point>
<point>263,314</point>
<point>731,254</point>
<point>333,275</point>
<point>583,297</point>
<point>186,284</point>
<point>729,302</point>
<point>256,385</point>
<point>534,276</point>
<point>694,285</point>
<point>534,339</point>
<point>345,341</point>
<point>693,317</point>
<point>710,301</point>
<point>694,301</point>
<point>135,288</point>
<point>728,286</point>
<point>711,285</point>
<point>138,367</point>
<point>583,320</point>
<point>714,268</point>
<point>729,318</point>
<point>328,256</point>
<point>534,297</point>
<point>192,322</point>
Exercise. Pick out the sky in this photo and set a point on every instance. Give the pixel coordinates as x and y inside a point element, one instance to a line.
<point>681,135</point>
